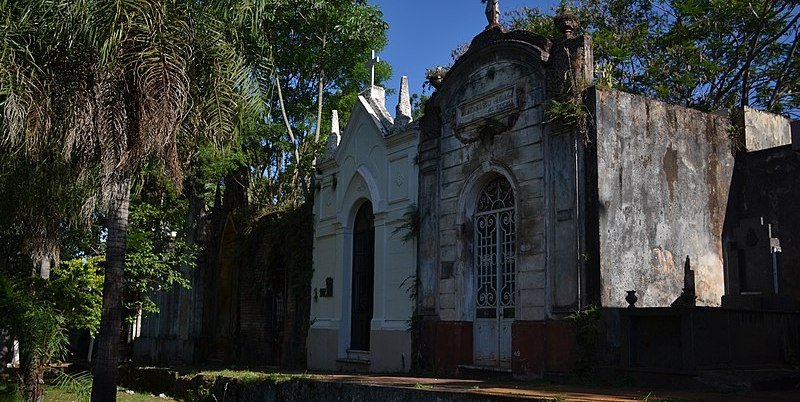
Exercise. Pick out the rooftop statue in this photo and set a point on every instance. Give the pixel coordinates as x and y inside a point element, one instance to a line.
<point>492,13</point>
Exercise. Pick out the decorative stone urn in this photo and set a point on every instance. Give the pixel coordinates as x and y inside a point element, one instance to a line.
<point>631,299</point>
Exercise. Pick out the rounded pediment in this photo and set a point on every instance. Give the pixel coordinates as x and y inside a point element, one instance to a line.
<point>499,77</point>
<point>524,48</point>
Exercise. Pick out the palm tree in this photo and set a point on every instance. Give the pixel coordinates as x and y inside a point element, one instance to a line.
<point>116,84</point>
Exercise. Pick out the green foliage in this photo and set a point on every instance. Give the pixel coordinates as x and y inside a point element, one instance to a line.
<point>566,111</point>
<point>736,137</point>
<point>604,74</point>
<point>56,393</point>
<point>418,105</point>
<point>534,20</point>
<point>36,324</point>
<point>34,321</point>
<point>248,376</point>
<point>78,384</point>
<point>158,252</point>
<point>410,226</point>
<point>705,54</point>
<point>587,330</point>
<point>9,392</point>
<point>77,287</point>
<point>320,51</point>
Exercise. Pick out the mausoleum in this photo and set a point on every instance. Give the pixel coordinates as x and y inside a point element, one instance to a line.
<point>525,216</point>
<point>364,259</point>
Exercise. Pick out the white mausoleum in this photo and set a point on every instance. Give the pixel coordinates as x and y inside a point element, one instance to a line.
<point>364,271</point>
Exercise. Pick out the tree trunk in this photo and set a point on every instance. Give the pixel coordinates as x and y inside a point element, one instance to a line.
<point>320,87</point>
<point>104,386</point>
<point>5,351</point>
<point>34,381</point>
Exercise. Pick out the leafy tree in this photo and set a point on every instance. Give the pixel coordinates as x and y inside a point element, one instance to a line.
<point>706,54</point>
<point>76,286</point>
<point>38,326</point>
<point>158,250</point>
<point>320,52</point>
<point>113,85</point>
<point>105,90</point>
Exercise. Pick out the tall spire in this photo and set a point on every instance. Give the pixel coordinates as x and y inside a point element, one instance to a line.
<point>403,111</point>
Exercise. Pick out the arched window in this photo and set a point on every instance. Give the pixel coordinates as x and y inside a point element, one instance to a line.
<point>494,251</point>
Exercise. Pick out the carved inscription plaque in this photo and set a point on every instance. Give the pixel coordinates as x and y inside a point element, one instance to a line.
<point>489,105</point>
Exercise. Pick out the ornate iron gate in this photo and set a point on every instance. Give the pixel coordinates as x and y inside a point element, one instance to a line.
<point>495,273</point>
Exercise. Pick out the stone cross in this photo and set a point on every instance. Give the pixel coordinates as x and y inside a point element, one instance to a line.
<point>372,62</point>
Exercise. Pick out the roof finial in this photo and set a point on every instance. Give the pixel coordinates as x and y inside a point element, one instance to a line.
<point>492,13</point>
<point>566,20</point>
<point>336,137</point>
<point>403,111</point>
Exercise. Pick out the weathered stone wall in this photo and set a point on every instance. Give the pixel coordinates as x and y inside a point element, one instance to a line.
<point>293,388</point>
<point>663,178</point>
<point>242,307</point>
<point>468,156</point>
<point>766,187</point>
<point>172,335</point>
<point>487,120</point>
<point>764,130</point>
<point>680,339</point>
<point>261,297</point>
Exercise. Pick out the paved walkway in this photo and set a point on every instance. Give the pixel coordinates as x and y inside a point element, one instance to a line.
<point>547,392</point>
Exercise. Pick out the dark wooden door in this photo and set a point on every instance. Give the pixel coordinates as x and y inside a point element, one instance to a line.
<point>363,277</point>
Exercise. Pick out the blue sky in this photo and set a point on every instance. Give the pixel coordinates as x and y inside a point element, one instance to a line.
<point>423,32</point>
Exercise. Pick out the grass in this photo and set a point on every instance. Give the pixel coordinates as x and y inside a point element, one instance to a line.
<point>53,393</point>
<point>246,376</point>
<point>422,386</point>
<point>56,394</point>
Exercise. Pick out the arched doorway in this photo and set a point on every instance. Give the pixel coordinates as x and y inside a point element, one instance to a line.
<point>363,277</point>
<point>494,273</point>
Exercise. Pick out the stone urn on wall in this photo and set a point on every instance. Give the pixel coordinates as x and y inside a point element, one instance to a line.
<point>631,299</point>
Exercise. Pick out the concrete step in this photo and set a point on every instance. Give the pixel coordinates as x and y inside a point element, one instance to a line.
<point>485,372</point>
<point>353,366</point>
<point>778,379</point>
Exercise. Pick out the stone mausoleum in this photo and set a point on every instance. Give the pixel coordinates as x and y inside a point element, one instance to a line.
<point>364,263</point>
<point>520,217</point>
<point>463,241</point>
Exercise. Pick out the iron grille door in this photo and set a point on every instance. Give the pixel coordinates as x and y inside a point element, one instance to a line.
<point>495,271</point>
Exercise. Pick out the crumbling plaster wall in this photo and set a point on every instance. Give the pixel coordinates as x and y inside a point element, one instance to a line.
<point>664,175</point>
<point>516,154</point>
<point>764,130</point>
